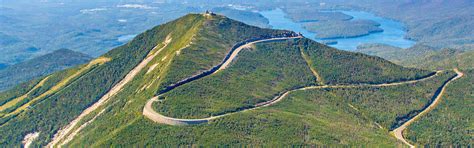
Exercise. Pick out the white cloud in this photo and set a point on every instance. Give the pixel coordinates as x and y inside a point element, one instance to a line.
<point>239,7</point>
<point>92,10</point>
<point>122,20</point>
<point>136,6</point>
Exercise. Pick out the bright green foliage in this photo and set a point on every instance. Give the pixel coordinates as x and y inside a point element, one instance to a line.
<point>257,75</point>
<point>451,122</point>
<point>343,67</point>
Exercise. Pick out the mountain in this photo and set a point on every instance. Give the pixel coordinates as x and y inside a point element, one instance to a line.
<point>40,66</point>
<point>240,85</point>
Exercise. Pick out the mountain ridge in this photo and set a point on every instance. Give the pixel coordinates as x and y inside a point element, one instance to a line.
<point>40,66</point>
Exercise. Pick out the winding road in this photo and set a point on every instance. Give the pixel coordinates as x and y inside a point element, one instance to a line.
<point>398,132</point>
<point>151,114</point>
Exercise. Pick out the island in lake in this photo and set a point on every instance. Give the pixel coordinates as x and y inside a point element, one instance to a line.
<point>342,29</point>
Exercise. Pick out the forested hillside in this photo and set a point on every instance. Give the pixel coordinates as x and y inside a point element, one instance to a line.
<point>452,118</point>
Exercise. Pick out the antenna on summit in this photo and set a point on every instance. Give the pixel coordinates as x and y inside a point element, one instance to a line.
<point>210,13</point>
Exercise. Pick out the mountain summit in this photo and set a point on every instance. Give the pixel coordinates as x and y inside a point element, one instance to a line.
<point>239,84</point>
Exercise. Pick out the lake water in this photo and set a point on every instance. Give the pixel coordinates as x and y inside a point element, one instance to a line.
<point>393,33</point>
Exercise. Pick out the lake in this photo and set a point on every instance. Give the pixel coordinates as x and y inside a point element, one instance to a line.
<point>393,33</point>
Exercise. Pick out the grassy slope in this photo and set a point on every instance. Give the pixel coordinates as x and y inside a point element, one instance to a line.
<point>450,123</point>
<point>257,75</point>
<point>343,67</point>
